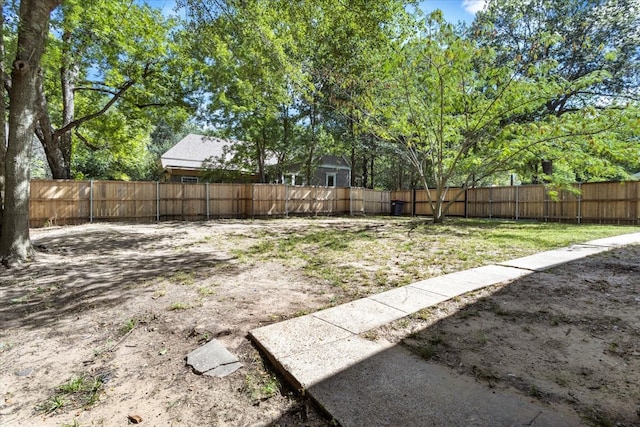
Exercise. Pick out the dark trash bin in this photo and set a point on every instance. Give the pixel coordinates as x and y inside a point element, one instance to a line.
<point>397,206</point>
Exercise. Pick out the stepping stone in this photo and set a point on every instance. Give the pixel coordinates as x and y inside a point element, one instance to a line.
<point>213,359</point>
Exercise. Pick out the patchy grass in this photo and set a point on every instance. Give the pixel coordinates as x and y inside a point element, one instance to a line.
<point>128,326</point>
<point>233,276</point>
<point>261,383</point>
<point>82,391</point>
<point>179,306</point>
<point>183,278</point>
<point>362,259</point>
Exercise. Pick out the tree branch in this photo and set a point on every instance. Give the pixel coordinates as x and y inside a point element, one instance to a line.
<point>96,89</point>
<point>86,142</point>
<point>98,113</point>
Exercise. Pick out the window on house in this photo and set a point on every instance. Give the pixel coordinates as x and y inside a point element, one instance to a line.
<point>190,179</point>
<point>331,180</point>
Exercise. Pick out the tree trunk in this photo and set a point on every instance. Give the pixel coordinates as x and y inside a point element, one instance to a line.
<point>3,109</point>
<point>15,243</point>
<point>57,142</point>
<point>60,147</point>
<point>262,156</point>
<point>365,171</point>
<point>57,147</point>
<point>309,160</point>
<point>352,136</point>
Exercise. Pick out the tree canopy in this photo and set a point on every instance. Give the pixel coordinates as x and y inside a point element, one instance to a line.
<point>463,112</point>
<point>94,64</point>
<point>594,42</point>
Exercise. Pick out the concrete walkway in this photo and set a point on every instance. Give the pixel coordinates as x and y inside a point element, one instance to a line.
<point>365,383</point>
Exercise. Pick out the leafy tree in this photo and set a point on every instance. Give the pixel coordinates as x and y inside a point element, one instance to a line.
<point>249,75</point>
<point>95,64</point>
<point>574,38</point>
<point>570,40</point>
<point>460,118</point>
<point>33,15</point>
<point>279,67</point>
<point>113,148</point>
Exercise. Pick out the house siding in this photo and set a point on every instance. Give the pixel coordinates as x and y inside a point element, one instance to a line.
<point>343,177</point>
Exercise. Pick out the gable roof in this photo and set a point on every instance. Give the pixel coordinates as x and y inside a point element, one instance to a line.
<point>192,150</point>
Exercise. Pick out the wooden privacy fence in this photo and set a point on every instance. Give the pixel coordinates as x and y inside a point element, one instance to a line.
<point>75,202</point>
<point>601,202</point>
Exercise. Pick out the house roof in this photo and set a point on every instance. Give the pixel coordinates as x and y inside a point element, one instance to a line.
<point>329,161</point>
<point>192,150</point>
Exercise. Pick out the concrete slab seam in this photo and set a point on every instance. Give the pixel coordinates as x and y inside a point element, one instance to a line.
<point>431,292</point>
<point>446,298</point>
<point>330,323</point>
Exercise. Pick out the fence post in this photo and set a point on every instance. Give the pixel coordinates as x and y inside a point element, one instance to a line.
<point>91,202</point>
<point>182,203</point>
<point>315,200</point>
<point>208,198</point>
<point>546,206</point>
<point>253,198</point>
<point>490,200</point>
<point>517,202</point>
<point>157,201</point>
<point>286,200</point>
<point>466,202</point>
<point>413,201</point>
<point>579,202</point>
<point>364,201</point>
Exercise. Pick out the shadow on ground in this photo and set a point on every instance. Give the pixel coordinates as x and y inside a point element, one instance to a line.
<point>559,347</point>
<point>109,267</point>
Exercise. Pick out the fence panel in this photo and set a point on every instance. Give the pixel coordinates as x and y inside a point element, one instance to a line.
<point>302,200</point>
<point>229,200</point>
<point>612,202</point>
<point>563,208</point>
<point>171,201</point>
<point>73,202</point>
<point>377,202</point>
<point>114,200</point>
<point>269,200</point>
<point>194,204</point>
<point>357,205</point>
<point>59,202</point>
<point>458,207</point>
<point>343,200</point>
<point>531,202</point>
<point>420,200</point>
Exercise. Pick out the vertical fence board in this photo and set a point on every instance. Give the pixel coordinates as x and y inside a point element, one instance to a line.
<point>269,200</point>
<point>377,202</point>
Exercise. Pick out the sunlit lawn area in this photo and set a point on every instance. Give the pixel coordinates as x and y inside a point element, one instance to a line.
<point>362,257</point>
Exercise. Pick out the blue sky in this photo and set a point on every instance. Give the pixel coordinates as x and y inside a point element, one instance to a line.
<point>454,10</point>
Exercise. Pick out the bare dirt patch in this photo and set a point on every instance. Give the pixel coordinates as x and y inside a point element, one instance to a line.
<point>95,331</point>
<point>124,305</point>
<point>568,337</point>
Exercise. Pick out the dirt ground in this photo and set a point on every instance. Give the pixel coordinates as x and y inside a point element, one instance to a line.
<point>117,307</point>
<point>125,304</point>
<point>568,337</point>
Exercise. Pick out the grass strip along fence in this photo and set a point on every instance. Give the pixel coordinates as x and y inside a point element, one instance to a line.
<point>59,202</point>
